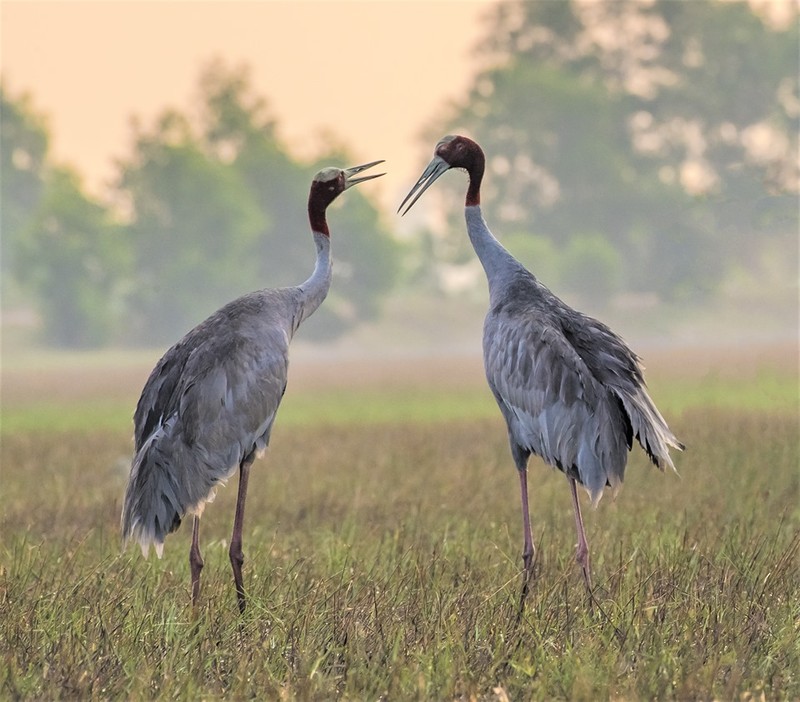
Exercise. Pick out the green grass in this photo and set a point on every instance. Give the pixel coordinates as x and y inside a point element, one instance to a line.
<point>382,548</point>
<point>765,389</point>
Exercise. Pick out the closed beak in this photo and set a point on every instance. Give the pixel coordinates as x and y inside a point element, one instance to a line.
<point>435,168</point>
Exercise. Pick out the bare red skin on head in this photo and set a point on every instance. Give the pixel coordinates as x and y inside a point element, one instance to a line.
<point>322,194</point>
<point>461,152</point>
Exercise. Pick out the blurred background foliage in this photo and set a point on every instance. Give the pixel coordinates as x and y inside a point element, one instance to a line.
<point>634,149</point>
<point>653,144</point>
<point>208,207</point>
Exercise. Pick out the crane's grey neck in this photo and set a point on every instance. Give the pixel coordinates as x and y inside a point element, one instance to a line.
<point>314,290</point>
<point>500,266</point>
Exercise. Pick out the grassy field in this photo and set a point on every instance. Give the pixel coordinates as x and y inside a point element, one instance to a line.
<point>383,540</point>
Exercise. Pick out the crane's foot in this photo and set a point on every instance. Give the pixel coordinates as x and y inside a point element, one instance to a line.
<point>582,557</point>
<point>528,574</point>
<point>528,563</point>
<point>529,559</point>
<point>195,562</point>
<point>196,566</point>
<point>237,559</point>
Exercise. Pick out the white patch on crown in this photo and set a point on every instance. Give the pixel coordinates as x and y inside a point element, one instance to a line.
<point>328,174</point>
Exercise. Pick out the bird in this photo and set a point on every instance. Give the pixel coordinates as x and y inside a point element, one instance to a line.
<point>209,404</point>
<point>570,389</point>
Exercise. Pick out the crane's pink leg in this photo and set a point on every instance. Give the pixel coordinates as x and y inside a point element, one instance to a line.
<point>582,553</point>
<point>528,549</point>
<point>195,560</point>
<point>236,555</point>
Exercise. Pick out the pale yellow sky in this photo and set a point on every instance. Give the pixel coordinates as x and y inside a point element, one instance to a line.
<point>373,73</point>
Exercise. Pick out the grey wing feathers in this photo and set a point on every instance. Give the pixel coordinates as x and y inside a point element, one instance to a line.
<point>158,396</point>
<point>571,391</point>
<point>611,361</point>
<point>554,407</point>
<point>208,405</point>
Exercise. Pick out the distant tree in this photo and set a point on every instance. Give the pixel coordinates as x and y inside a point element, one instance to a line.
<point>193,230</point>
<point>74,260</point>
<point>219,208</point>
<point>667,128</point>
<point>239,130</point>
<point>23,152</point>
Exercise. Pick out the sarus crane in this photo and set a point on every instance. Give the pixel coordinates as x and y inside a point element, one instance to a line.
<point>570,389</point>
<point>209,404</point>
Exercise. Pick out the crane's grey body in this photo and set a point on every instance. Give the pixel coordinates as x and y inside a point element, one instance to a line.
<point>210,403</point>
<point>569,388</point>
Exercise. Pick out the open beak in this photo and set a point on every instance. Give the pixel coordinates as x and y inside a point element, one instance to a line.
<point>435,168</point>
<point>349,180</point>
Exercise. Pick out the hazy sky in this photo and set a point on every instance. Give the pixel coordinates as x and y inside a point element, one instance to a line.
<point>373,73</point>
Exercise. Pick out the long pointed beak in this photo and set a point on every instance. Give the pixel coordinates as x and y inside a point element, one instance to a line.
<point>350,181</point>
<point>435,168</point>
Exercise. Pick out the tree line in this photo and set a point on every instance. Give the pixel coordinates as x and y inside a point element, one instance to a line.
<point>208,207</point>
<point>639,147</point>
<point>634,147</point>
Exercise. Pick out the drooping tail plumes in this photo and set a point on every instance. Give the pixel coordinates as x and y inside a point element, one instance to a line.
<point>167,481</point>
<point>650,428</point>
